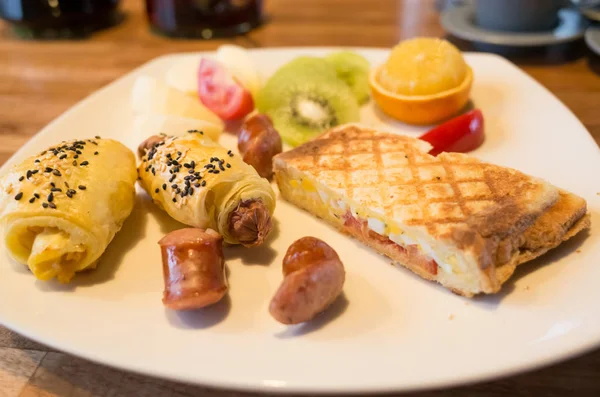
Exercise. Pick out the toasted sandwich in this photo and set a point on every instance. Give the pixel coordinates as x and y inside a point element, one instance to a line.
<point>448,218</point>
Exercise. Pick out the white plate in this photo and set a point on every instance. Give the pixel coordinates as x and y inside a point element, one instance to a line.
<point>392,332</point>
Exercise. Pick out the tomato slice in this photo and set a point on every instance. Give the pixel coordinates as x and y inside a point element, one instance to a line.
<point>460,134</point>
<point>220,92</point>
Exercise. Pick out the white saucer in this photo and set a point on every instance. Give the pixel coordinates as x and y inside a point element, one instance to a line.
<point>592,38</point>
<point>460,21</point>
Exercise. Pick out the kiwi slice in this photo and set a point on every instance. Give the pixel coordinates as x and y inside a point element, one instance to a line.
<point>302,104</point>
<point>353,69</point>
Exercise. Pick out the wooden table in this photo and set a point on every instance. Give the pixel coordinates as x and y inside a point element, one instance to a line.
<point>40,80</point>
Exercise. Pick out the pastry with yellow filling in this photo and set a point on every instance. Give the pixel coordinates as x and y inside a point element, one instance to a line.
<point>62,207</point>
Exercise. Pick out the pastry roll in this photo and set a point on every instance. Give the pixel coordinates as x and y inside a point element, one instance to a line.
<point>61,208</point>
<point>200,183</point>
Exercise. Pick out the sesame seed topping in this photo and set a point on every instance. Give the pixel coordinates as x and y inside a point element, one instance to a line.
<point>21,178</point>
<point>84,163</point>
<point>63,156</point>
<point>36,195</point>
<point>216,171</point>
<point>156,190</point>
<point>45,205</point>
<point>186,165</point>
<point>97,137</point>
<point>74,163</point>
<point>19,196</point>
<point>95,153</point>
<point>37,161</point>
<point>48,169</point>
<point>67,184</point>
<point>191,171</point>
<point>228,165</point>
<point>164,186</point>
<point>172,178</point>
<point>221,167</point>
<point>81,187</point>
<point>203,183</point>
<point>174,200</point>
<point>56,189</point>
<point>50,197</point>
<point>33,172</point>
<point>78,151</point>
<point>57,173</point>
<point>174,185</point>
<point>76,156</point>
<point>52,205</point>
<point>31,200</point>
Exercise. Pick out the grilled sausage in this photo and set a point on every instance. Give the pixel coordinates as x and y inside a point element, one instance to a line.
<point>313,279</point>
<point>148,144</point>
<point>193,268</point>
<point>258,142</point>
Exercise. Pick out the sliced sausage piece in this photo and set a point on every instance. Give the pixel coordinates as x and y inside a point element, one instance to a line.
<point>313,279</point>
<point>258,142</point>
<point>193,268</point>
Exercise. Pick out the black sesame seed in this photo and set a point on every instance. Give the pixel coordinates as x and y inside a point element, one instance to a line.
<point>173,186</point>
<point>78,151</point>
<point>153,171</point>
<point>66,184</point>
<point>56,189</point>
<point>164,186</point>
<point>95,143</point>
<point>216,171</point>
<point>45,205</point>
<point>230,154</point>
<point>172,178</point>
<point>221,167</point>
<point>203,183</point>
<point>228,165</point>
<point>168,155</point>
<point>31,200</point>
<point>179,153</point>
<point>52,184</point>
<point>69,194</point>
<point>97,137</point>
<point>177,191</point>
<point>76,156</point>
<point>95,153</point>
<point>191,192</point>
<point>36,195</point>
<point>196,184</point>
<point>190,171</point>
<point>186,165</point>
<point>156,190</point>
<point>57,173</point>
<point>81,187</point>
<point>50,197</point>
<point>19,196</point>
<point>43,153</point>
<point>74,162</point>
<point>193,164</point>
<point>63,156</point>
<point>187,183</point>
<point>34,172</point>
<point>29,173</point>
<point>52,205</point>
<point>175,162</point>
<point>21,178</point>
<point>37,161</point>
<point>48,169</point>
<point>174,200</point>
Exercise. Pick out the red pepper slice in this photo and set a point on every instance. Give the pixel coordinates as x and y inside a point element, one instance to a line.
<point>460,134</point>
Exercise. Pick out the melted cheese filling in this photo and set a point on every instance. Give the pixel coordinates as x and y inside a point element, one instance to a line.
<point>447,262</point>
<point>54,254</point>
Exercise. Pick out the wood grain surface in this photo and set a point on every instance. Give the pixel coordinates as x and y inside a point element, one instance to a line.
<point>40,80</point>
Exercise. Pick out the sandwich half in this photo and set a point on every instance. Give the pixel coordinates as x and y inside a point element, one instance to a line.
<point>449,218</point>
